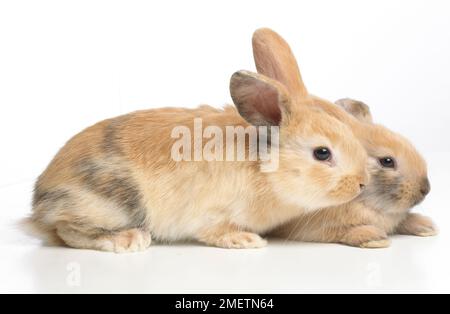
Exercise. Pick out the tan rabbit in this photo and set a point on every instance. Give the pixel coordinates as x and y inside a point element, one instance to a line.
<point>115,186</point>
<point>398,172</point>
<point>398,183</point>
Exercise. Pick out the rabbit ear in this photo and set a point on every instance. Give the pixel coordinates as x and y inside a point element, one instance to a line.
<point>356,108</point>
<point>274,58</point>
<point>259,100</point>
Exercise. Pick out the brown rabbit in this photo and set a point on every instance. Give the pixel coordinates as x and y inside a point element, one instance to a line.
<point>115,186</point>
<point>398,172</point>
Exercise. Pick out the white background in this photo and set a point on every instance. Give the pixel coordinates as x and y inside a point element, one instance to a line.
<point>65,65</point>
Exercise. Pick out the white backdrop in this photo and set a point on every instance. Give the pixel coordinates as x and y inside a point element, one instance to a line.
<point>67,64</point>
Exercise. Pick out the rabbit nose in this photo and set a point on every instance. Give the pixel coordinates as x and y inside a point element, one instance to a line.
<point>364,180</point>
<point>425,187</point>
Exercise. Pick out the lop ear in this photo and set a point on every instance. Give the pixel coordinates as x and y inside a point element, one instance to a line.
<point>274,58</point>
<point>356,108</point>
<point>260,100</point>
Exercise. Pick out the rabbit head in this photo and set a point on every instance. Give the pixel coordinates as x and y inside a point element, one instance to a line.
<point>399,172</point>
<point>321,163</point>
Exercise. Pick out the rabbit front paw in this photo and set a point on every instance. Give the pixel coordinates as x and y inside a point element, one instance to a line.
<point>228,237</point>
<point>241,240</point>
<point>367,237</point>
<point>418,225</point>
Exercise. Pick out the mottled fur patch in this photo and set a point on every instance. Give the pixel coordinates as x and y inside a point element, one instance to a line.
<point>87,229</point>
<point>111,139</point>
<point>115,184</point>
<point>49,196</point>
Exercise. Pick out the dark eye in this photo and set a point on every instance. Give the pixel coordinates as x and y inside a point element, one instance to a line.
<point>322,154</point>
<point>387,162</point>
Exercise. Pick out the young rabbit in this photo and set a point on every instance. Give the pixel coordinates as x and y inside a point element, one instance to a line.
<point>398,172</point>
<point>115,187</point>
<point>398,183</point>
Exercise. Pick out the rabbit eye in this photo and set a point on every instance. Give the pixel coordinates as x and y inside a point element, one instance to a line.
<point>387,162</point>
<point>322,154</point>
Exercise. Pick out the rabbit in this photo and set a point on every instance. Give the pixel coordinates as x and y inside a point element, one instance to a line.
<point>383,208</point>
<point>399,178</point>
<point>115,186</point>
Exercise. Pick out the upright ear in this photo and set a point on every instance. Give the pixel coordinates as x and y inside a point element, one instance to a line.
<point>260,100</point>
<point>274,58</point>
<point>356,108</point>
